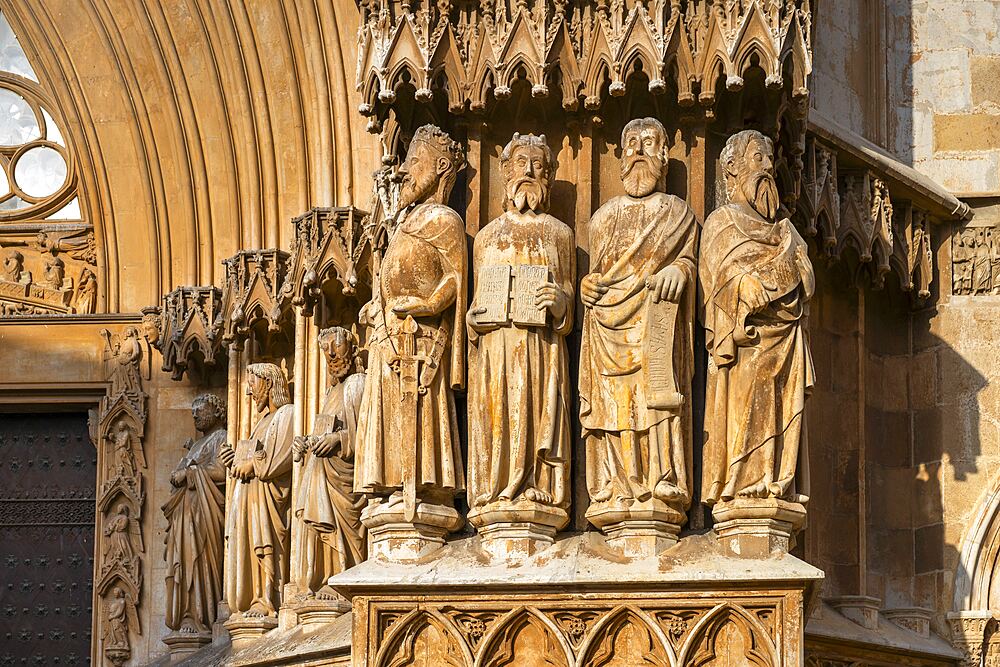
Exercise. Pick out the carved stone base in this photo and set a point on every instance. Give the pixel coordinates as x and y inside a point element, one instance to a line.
<point>246,631</point>
<point>316,611</point>
<point>639,530</point>
<point>580,603</point>
<point>183,644</point>
<point>755,527</point>
<point>391,537</point>
<point>861,609</point>
<point>514,531</point>
<point>968,634</point>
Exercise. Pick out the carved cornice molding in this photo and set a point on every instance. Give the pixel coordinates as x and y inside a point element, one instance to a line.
<point>187,329</point>
<point>256,292</point>
<point>481,48</point>
<point>327,246</point>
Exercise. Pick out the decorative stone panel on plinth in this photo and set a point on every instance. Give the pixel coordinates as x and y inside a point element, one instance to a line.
<point>580,603</point>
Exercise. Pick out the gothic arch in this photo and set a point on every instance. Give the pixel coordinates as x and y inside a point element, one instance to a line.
<point>977,578</point>
<point>627,636</point>
<point>423,639</point>
<point>525,634</point>
<point>725,629</point>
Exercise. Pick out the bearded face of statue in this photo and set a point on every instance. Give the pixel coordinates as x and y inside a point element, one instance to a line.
<point>339,357</point>
<point>259,390</point>
<point>419,174</point>
<point>527,176</point>
<point>643,161</point>
<point>755,182</point>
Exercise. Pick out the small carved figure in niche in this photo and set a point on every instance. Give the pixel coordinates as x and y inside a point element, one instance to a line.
<point>126,443</point>
<point>86,293</point>
<point>13,268</point>
<point>123,540</point>
<point>195,516</point>
<point>519,396</point>
<point>123,356</point>
<point>257,520</point>
<point>120,619</point>
<point>55,272</point>
<point>408,447</point>
<point>982,271</point>
<point>327,504</point>
<point>757,281</point>
<point>636,355</point>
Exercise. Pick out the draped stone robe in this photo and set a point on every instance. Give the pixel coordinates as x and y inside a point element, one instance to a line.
<point>519,396</point>
<point>761,370</point>
<point>257,521</point>
<point>334,539</point>
<point>195,517</point>
<point>634,439</point>
<point>427,249</point>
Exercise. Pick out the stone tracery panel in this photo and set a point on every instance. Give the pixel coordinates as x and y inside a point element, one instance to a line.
<point>48,256</point>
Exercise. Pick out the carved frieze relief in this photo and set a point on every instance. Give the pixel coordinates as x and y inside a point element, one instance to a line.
<point>975,261</point>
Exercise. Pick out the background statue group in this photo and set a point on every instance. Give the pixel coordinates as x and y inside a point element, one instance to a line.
<point>384,453</point>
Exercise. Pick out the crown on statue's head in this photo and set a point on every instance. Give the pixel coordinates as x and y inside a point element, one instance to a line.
<point>439,141</point>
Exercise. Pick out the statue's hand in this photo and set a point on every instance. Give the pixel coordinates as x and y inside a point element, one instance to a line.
<point>592,289</point>
<point>227,455</point>
<point>244,470</point>
<point>472,319</point>
<point>300,445</point>
<point>178,477</point>
<point>550,295</point>
<point>805,271</point>
<point>667,285</point>
<point>413,306</point>
<point>753,294</point>
<point>329,444</point>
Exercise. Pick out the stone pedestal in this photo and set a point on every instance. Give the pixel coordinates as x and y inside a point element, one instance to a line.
<point>861,609</point>
<point>756,527</point>
<point>514,531</point>
<point>316,611</point>
<point>245,631</point>
<point>581,603</point>
<point>637,530</point>
<point>392,537</point>
<point>183,644</point>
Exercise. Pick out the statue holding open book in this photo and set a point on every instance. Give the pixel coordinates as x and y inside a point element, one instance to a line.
<point>519,396</point>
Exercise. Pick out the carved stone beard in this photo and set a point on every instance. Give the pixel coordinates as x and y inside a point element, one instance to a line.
<point>641,174</point>
<point>418,185</point>
<point>761,192</point>
<point>338,367</point>
<point>205,423</point>
<point>528,194</point>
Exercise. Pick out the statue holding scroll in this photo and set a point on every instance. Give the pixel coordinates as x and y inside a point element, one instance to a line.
<point>519,396</point>
<point>195,516</point>
<point>408,453</point>
<point>636,357</point>
<point>334,537</point>
<point>257,521</point>
<point>756,281</point>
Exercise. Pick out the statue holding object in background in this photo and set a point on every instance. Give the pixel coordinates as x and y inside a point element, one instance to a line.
<point>257,520</point>
<point>519,396</point>
<point>195,516</point>
<point>334,537</point>
<point>757,281</point>
<point>636,356</point>
<point>409,460</point>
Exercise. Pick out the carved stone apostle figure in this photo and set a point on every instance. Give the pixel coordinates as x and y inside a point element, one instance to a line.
<point>408,455</point>
<point>257,519</point>
<point>519,397</point>
<point>636,356</point>
<point>334,539</point>
<point>195,516</point>
<point>756,281</point>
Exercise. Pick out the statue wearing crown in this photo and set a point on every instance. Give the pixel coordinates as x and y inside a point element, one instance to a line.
<point>408,457</point>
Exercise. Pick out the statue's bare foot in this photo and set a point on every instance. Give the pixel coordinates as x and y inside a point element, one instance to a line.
<point>536,496</point>
<point>257,610</point>
<point>188,626</point>
<point>668,493</point>
<point>602,495</point>
<point>758,490</point>
<point>327,593</point>
<point>483,499</point>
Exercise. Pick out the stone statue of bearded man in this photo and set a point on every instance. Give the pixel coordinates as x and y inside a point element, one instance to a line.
<point>636,355</point>
<point>519,397</point>
<point>757,281</point>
